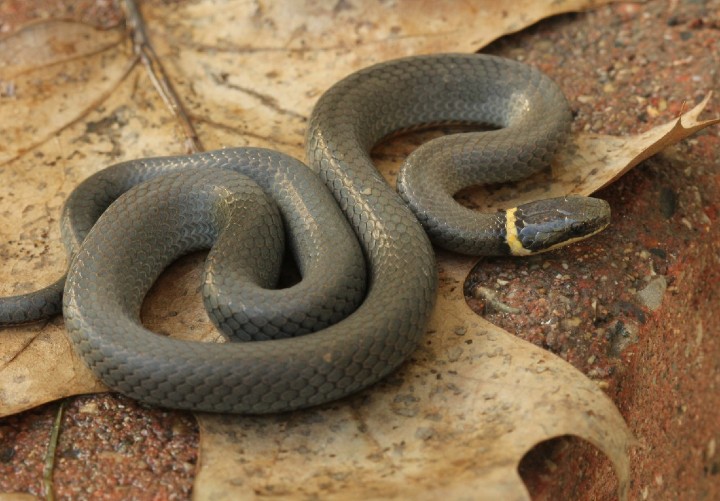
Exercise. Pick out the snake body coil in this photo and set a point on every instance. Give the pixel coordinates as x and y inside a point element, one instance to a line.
<point>308,351</point>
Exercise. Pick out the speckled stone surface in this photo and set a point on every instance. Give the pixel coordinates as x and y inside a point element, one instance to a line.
<point>109,448</point>
<point>633,308</point>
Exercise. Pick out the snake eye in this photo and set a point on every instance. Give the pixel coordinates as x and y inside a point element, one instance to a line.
<point>577,228</point>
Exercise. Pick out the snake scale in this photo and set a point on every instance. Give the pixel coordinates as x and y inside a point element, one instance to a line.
<point>368,269</point>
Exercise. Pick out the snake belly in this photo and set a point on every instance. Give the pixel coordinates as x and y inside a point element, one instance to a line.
<point>104,289</point>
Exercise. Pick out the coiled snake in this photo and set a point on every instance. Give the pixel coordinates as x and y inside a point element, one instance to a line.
<point>308,349</point>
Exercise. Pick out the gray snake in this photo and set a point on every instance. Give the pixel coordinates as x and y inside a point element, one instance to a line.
<point>125,224</point>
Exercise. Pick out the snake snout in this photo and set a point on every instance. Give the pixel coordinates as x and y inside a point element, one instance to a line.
<point>547,224</point>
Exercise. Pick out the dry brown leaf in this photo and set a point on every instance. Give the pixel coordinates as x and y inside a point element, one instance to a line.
<point>249,75</point>
<point>64,89</point>
<point>590,162</point>
<point>598,160</point>
<point>42,68</point>
<point>252,71</point>
<point>26,378</point>
<point>453,423</point>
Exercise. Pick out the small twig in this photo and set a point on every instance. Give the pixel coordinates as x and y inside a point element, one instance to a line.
<point>50,454</point>
<point>491,298</point>
<point>144,50</point>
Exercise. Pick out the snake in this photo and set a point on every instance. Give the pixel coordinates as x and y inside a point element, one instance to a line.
<point>363,250</point>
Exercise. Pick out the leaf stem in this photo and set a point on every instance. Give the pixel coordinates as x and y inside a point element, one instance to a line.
<point>144,50</point>
<point>49,466</point>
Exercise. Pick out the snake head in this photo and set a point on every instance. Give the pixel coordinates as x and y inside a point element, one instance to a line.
<point>545,225</point>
